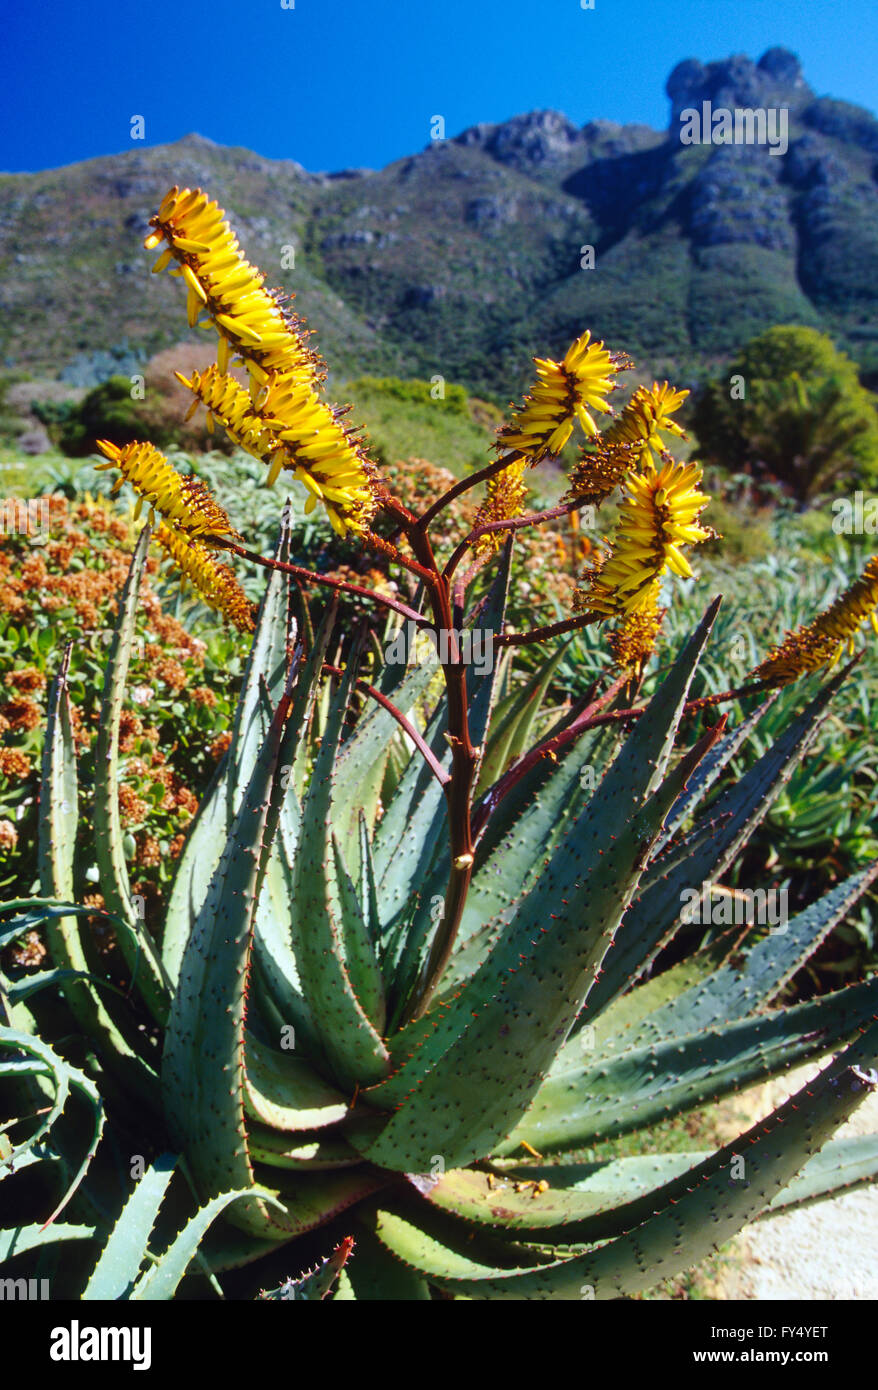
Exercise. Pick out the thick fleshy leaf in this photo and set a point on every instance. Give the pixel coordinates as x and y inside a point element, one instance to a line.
<point>349,1040</point>
<point>512,728</point>
<point>843,1166</point>
<point>203,1067</point>
<point>117,1270</point>
<point>669,1229</point>
<point>640,1086</point>
<point>282,1090</point>
<point>360,959</point>
<point>264,674</point>
<point>141,954</point>
<point>161,1280</point>
<point>655,914</point>
<point>197,864</point>
<point>318,1283</point>
<point>309,1151</point>
<point>740,989</point>
<point>20,1239</point>
<point>497,1039</point>
<point>711,768</point>
<point>363,755</point>
<point>57,839</point>
<point>43,1061</point>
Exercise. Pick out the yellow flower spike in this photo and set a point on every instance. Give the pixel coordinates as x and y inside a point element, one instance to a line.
<point>184,502</point>
<point>291,428</point>
<point>822,641</point>
<point>565,393</point>
<point>168,203</point>
<point>257,326</point>
<point>634,637</point>
<point>163,260</point>
<point>600,469</point>
<point>153,240</point>
<point>647,542</point>
<point>214,582</point>
<point>645,418</point>
<point>505,494</point>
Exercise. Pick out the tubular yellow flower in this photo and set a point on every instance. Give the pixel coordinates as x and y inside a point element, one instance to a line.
<point>504,499</point>
<point>646,416</point>
<point>822,641</point>
<point>220,282</point>
<point>184,502</point>
<point>213,581</point>
<point>659,515</point>
<point>289,426</point>
<point>563,394</point>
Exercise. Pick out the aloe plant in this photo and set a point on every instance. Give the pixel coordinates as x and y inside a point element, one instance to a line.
<point>406,971</point>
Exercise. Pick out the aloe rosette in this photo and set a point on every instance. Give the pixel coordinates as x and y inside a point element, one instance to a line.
<point>411,974</point>
<point>302,912</point>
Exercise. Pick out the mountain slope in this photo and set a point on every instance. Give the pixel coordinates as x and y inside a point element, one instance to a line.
<point>464,259</point>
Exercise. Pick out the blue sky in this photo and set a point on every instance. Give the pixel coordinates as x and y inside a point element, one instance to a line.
<point>332,83</point>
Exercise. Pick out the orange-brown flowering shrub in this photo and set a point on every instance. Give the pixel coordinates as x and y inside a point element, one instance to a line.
<point>62,587</point>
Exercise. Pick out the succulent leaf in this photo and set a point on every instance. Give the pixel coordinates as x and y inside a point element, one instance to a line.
<point>141,953</point>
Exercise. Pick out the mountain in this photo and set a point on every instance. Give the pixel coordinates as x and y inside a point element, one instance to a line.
<point>466,258</point>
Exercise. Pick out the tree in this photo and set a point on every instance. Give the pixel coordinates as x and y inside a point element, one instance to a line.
<point>791,408</point>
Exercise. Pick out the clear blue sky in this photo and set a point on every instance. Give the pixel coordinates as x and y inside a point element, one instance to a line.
<point>355,82</point>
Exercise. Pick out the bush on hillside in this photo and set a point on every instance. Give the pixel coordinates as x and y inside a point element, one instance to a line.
<point>61,586</point>
<point>792,408</point>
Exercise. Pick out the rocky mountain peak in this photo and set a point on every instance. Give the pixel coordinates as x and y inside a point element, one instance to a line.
<point>738,82</point>
<point>537,138</point>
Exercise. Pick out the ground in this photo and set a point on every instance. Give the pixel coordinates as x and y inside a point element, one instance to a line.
<point>824,1252</point>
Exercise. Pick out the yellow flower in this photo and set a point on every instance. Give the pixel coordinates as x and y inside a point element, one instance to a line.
<point>505,493</point>
<point>646,416</point>
<point>633,640</point>
<point>564,392</point>
<point>822,641</point>
<point>659,515</point>
<point>213,581</point>
<point>184,502</point>
<point>250,321</point>
<point>289,425</point>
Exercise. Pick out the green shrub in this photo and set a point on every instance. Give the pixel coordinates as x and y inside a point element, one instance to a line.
<point>792,408</point>
<point>422,392</point>
<point>107,412</point>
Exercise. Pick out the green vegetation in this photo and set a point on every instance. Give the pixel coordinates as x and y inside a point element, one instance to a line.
<point>791,409</point>
<point>386,959</point>
<point>465,258</point>
<point>412,419</point>
<point>311,821</point>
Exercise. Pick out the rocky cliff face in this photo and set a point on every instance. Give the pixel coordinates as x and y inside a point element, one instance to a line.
<point>776,80</point>
<point>467,257</point>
